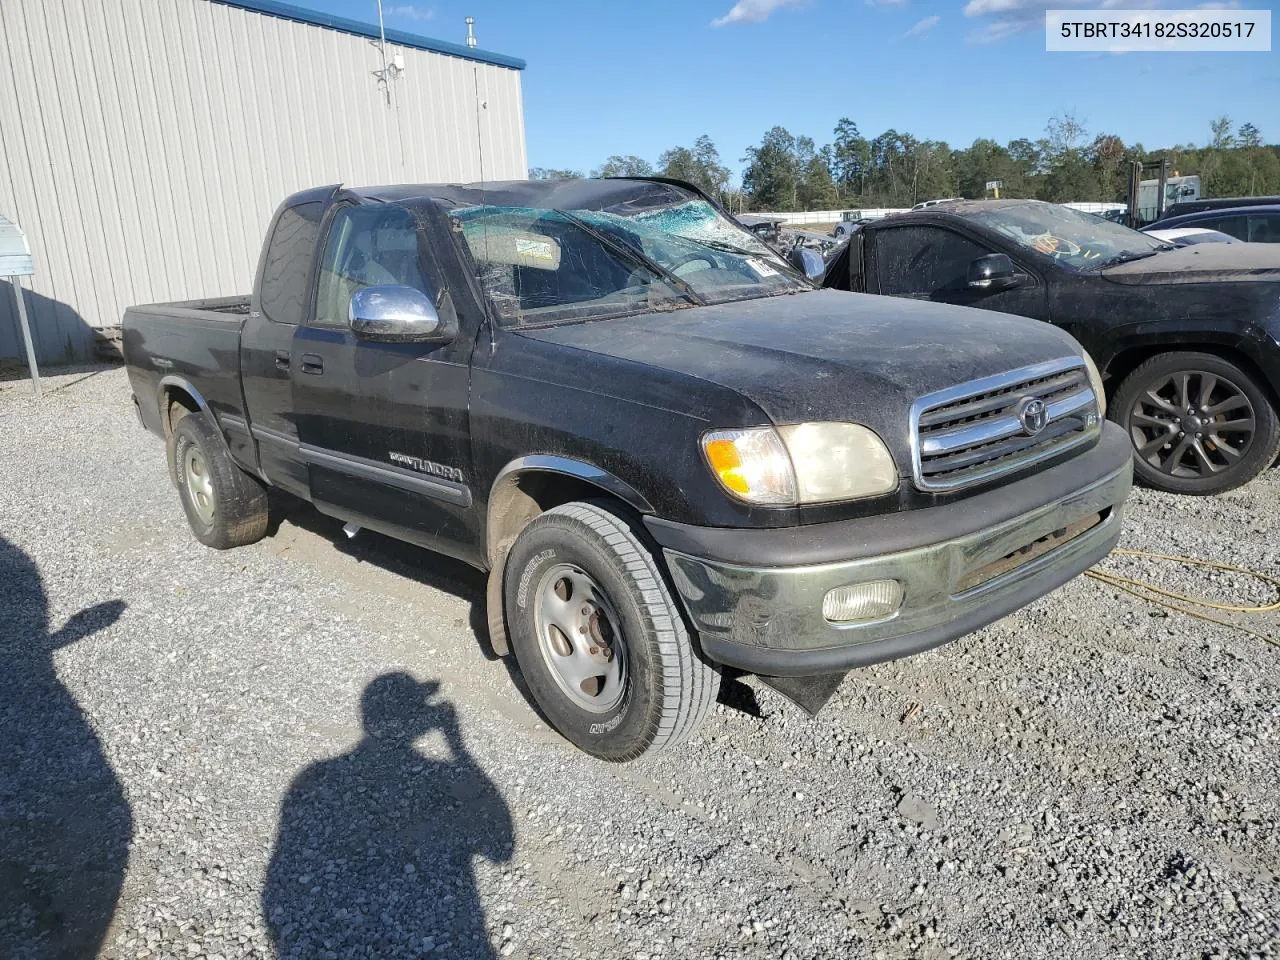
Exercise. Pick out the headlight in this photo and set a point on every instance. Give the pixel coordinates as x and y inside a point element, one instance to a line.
<point>752,464</point>
<point>801,463</point>
<point>1095,381</point>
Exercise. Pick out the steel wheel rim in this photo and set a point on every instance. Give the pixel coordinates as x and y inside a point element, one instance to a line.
<point>1192,424</point>
<point>199,484</point>
<point>580,638</point>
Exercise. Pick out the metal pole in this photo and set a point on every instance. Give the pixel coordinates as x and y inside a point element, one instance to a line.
<point>26,336</point>
<point>1164,184</point>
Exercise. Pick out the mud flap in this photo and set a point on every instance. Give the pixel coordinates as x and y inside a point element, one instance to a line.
<point>810,694</point>
<point>495,615</point>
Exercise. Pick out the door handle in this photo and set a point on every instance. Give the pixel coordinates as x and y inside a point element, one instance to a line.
<point>282,359</point>
<point>312,363</point>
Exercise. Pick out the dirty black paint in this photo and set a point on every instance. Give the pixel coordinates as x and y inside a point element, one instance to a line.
<point>1222,297</point>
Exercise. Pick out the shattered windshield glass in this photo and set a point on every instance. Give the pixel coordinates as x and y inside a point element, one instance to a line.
<point>1076,240</point>
<point>544,265</point>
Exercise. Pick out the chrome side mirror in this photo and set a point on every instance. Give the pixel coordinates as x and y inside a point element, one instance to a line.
<point>396,313</point>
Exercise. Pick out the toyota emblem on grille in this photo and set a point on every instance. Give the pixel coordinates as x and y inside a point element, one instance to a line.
<point>1034,415</point>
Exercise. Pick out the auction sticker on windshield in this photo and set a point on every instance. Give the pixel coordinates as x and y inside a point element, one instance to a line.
<point>760,268</point>
<point>1109,29</point>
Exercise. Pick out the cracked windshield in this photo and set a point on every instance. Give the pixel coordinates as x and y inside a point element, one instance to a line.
<point>1074,239</point>
<point>542,266</point>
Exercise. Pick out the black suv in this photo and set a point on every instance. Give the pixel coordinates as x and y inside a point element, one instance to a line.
<point>1188,339</point>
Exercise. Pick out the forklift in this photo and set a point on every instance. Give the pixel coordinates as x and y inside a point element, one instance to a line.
<point>1153,186</point>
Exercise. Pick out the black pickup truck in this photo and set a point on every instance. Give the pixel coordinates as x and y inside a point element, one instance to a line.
<point>671,452</point>
<point>1187,338</point>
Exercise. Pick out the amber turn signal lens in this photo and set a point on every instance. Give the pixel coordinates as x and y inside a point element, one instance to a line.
<point>751,464</point>
<point>725,461</point>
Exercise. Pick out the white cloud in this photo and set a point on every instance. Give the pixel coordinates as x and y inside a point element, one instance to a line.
<point>752,11</point>
<point>407,11</point>
<point>923,26</point>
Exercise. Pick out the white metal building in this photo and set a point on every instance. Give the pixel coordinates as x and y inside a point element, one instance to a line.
<point>145,143</point>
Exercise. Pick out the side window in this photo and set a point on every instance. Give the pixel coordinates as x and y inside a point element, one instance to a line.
<point>1234,226</point>
<point>367,246</point>
<point>915,261</point>
<point>287,264</point>
<point>1264,228</point>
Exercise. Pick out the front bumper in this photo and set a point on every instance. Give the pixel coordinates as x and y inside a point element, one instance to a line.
<point>961,566</point>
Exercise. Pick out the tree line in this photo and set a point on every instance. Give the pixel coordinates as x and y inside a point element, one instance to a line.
<point>787,172</point>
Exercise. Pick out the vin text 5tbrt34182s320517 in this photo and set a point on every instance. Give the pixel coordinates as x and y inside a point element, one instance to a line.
<point>669,451</point>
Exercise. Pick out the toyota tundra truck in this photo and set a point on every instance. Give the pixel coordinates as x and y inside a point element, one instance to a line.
<point>671,453</point>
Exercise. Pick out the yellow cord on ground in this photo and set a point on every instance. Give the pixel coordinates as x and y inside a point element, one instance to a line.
<point>1161,597</point>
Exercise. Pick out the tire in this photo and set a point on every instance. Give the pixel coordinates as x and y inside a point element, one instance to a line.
<point>225,506</point>
<point>647,687</point>
<point>1221,426</point>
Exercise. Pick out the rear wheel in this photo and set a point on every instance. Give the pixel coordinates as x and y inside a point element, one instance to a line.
<point>224,505</point>
<point>1199,424</point>
<point>599,638</point>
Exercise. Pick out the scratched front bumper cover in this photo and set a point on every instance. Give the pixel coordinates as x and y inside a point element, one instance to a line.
<point>768,619</point>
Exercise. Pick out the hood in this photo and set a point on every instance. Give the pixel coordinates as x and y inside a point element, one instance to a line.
<point>1203,263</point>
<point>826,355</point>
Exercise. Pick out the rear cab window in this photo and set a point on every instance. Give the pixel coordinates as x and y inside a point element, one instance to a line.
<point>286,264</point>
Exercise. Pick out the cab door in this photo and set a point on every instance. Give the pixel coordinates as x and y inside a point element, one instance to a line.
<point>270,436</point>
<point>930,262</point>
<point>383,426</point>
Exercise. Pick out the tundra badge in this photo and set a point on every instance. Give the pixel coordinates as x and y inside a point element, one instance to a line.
<point>427,466</point>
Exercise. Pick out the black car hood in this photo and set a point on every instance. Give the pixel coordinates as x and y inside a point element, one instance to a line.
<point>1202,263</point>
<point>826,355</point>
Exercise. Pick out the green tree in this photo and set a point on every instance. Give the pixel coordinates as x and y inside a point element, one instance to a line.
<point>1109,157</point>
<point>699,165</point>
<point>1066,172</point>
<point>771,179</point>
<point>624,166</point>
<point>1221,130</point>
<point>851,158</point>
<point>715,174</point>
<point>552,173</point>
<point>817,188</point>
<point>1249,136</point>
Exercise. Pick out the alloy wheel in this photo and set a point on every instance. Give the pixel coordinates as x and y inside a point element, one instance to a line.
<point>1192,424</point>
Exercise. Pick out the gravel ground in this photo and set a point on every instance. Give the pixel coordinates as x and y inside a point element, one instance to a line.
<point>300,749</point>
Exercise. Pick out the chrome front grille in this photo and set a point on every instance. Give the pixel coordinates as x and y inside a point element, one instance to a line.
<point>980,430</point>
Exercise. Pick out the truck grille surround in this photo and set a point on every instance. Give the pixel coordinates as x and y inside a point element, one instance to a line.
<point>984,429</point>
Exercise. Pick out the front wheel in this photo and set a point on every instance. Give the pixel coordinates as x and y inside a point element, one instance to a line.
<point>1199,424</point>
<point>599,638</point>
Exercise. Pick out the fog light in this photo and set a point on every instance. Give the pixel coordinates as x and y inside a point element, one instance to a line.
<point>873,600</point>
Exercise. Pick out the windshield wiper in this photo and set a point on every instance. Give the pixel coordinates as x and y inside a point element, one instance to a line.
<point>721,245</point>
<point>1128,256</point>
<point>634,255</point>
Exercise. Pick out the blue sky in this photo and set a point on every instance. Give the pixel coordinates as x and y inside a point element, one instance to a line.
<point>636,78</point>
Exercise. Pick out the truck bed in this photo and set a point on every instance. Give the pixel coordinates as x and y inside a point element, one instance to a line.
<point>212,308</point>
<point>192,343</point>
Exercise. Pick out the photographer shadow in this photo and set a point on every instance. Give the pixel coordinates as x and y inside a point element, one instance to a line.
<point>65,823</point>
<point>374,853</point>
